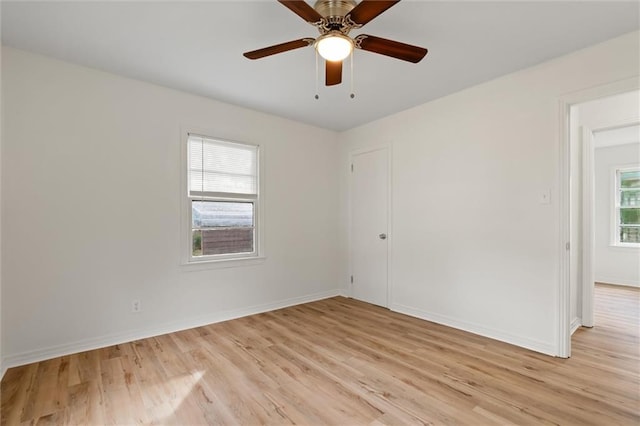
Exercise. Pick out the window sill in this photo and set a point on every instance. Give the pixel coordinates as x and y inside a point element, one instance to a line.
<point>625,246</point>
<point>222,263</point>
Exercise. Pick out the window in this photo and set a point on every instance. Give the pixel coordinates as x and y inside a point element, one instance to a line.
<point>627,207</point>
<point>223,198</point>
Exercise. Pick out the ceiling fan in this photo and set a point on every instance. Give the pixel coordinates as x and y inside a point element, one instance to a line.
<point>334,19</point>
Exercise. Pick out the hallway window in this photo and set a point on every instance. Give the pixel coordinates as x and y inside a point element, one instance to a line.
<point>627,206</point>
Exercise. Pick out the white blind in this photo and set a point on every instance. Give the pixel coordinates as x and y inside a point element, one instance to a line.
<point>217,167</point>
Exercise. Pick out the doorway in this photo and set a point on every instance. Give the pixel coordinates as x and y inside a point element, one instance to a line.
<point>369,225</point>
<point>581,121</point>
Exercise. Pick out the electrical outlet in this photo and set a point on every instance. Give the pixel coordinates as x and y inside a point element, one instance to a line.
<point>136,306</point>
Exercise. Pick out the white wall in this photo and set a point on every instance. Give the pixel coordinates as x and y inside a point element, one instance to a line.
<point>91,210</point>
<point>609,111</point>
<point>472,246</point>
<point>613,265</point>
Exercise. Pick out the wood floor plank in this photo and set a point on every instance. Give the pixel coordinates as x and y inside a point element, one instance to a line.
<point>17,386</point>
<point>340,361</point>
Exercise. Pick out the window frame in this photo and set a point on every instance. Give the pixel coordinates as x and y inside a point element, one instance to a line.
<point>226,259</point>
<point>616,205</point>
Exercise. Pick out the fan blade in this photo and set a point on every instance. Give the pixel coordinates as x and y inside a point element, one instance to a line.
<point>395,49</point>
<point>367,10</point>
<point>278,48</point>
<point>303,10</point>
<point>333,73</point>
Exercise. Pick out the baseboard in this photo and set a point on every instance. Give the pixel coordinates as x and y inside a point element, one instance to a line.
<point>500,335</point>
<point>615,281</point>
<point>575,324</point>
<point>29,357</point>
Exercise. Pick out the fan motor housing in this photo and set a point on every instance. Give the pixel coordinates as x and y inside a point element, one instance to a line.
<point>334,8</point>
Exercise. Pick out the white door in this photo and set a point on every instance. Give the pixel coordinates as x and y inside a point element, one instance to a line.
<point>369,220</point>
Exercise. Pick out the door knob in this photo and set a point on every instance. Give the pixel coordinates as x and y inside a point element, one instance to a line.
<point>382,236</point>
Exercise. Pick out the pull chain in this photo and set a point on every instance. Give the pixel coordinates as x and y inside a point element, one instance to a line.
<point>352,95</point>
<point>317,77</point>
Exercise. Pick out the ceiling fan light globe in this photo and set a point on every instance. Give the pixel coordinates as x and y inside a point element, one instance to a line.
<point>334,47</point>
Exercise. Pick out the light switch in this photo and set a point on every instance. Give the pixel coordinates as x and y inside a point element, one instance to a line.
<point>545,197</point>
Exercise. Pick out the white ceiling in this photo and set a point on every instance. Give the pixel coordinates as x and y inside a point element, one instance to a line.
<point>197,47</point>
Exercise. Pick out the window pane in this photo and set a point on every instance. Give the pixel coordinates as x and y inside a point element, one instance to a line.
<point>215,214</point>
<point>630,216</point>
<point>221,227</point>
<point>630,179</point>
<point>629,198</point>
<point>629,234</point>
<point>628,208</point>
<point>226,241</point>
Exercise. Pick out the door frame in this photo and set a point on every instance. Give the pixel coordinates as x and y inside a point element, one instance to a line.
<point>563,319</point>
<point>387,147</point>
<point>588,212</point>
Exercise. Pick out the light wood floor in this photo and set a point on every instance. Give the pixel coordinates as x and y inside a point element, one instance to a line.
<point>339,362</point>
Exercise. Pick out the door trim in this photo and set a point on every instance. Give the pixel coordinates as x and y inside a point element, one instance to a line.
<point>390,235</point>
<point>587,225</point>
